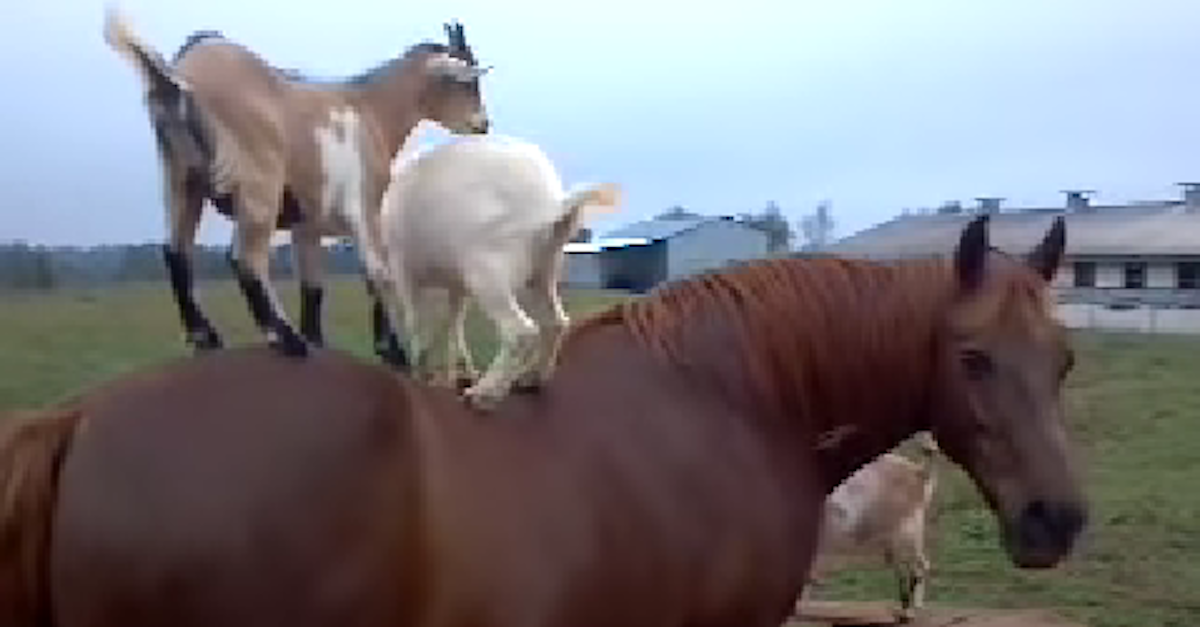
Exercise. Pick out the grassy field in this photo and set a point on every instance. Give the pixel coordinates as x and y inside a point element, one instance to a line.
<point>1135,404</point>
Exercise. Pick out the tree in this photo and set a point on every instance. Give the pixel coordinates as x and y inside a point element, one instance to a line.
<point>771,221</point>
<point>676,213</point>
<point>26,267</point>
<point>43,271</point>
<point>818,227</point>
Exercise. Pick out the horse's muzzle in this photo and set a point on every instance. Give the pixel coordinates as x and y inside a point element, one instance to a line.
<point>1044,533</point>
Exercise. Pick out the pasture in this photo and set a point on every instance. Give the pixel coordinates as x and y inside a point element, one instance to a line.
<point>1134,401</point>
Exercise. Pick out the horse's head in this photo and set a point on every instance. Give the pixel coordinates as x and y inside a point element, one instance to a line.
<point>1003,358</point>
<point>451,95</point>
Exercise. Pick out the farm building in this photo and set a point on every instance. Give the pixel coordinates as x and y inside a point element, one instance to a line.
<point>638,256</point>
<point>1119,255</point>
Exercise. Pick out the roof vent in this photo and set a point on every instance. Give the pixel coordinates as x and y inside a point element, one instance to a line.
<point>1191,195</point>
<point>989,204</point>
<point>950,207</point>
<point>1078,200</point>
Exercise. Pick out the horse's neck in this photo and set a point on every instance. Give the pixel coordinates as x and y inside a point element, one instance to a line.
<point>849,386</point>
<point>892,394</point>
<point>845,448</point>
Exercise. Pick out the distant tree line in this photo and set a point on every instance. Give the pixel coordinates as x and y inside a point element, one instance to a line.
<point>28,267</point>
<point>816,228</point>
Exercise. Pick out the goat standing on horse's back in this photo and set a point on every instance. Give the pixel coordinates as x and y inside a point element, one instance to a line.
<point>486,216</point>
<point>273,151</point>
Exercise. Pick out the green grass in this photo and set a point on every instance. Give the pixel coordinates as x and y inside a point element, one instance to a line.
<point>1134,407</point>
<point>1134,400</point>
<point>53,343</point>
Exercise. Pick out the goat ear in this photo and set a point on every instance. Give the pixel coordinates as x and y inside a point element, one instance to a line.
<point>1048,255</point>
<point>970,259</point>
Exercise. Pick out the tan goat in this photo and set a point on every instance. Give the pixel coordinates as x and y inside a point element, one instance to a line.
<point>880,512</point>
<point>273,150</point>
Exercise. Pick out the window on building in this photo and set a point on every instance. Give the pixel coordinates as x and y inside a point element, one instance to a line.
<point>1187,275</point>
<point>1135,275</point>
<point>1085,274</point>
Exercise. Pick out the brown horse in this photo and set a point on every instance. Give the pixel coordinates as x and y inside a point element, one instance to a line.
<point>672,472</point>
<point>273,151</point>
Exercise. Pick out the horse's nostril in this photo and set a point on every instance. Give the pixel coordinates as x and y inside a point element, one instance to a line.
<point>1036,510</point>
<point>1063,521</point>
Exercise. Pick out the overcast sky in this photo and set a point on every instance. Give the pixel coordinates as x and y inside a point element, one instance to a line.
<point>876,105</point>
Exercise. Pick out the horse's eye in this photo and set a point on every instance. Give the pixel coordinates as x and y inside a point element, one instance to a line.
<point>977,363</point>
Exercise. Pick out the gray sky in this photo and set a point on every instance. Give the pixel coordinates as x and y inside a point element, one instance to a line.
<point>874,104</point>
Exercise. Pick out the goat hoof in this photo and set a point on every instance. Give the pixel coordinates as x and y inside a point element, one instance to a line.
<point>480,400</point>
<point>531,382</point>
<point>289,344</point>
<point>394,356</point>
<point>204,340</point>
<point>529,386</point>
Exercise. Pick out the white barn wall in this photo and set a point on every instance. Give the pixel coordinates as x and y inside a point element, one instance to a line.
<point>1109,274</point>
<point>1160,275</point>
<point>1065,277</point>
<point>582,270</point>
<point>713,245</point>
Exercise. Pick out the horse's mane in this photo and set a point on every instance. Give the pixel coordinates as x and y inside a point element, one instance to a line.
<point>788,320</point>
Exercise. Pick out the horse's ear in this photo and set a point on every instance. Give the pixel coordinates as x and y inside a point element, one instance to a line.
<point>1048,255</point>
<point>971,256</point>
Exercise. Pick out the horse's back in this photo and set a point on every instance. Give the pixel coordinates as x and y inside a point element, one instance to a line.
<point>237,489</point>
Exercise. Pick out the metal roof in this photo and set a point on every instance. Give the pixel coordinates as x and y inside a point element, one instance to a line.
<point>657,229</point>
<point>599,244</point>
<point>1162,229</point>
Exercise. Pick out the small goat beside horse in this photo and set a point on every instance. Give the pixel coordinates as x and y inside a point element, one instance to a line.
<point>272,152</point>
<point>672,473</point>
<point>879,513</point>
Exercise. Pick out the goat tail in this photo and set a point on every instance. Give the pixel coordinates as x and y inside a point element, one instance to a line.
<point>31,450</point>
<point>151,66</point>
<point>582,202</point>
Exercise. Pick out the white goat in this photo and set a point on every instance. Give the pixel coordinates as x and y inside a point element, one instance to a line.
<point>880,511</point>
<point>484,216</point>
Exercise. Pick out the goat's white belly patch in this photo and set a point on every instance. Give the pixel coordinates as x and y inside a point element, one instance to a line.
<point>338,143</point>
